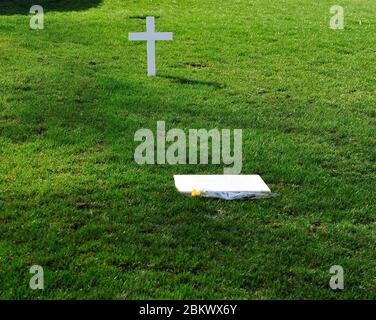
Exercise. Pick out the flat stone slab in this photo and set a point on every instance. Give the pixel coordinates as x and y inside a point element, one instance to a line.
<point>221,183</point>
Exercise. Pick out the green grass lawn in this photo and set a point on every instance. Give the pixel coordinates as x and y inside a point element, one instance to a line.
<point>73,200</point>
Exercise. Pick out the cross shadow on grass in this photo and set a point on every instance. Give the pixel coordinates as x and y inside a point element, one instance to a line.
<point>11,7</point>
<point>186,81</point>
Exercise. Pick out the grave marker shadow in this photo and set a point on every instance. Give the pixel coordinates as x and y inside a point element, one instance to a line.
<point>186,81</point>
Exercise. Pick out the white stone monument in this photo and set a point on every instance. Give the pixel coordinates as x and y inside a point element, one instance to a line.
<point>150,36</point>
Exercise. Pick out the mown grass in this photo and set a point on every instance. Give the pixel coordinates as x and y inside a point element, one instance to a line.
<point>73,200</point>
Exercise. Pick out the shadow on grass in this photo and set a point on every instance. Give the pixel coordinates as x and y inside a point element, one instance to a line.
<point>143,17</point>
<point>182,80</point>
<point>10,7</point>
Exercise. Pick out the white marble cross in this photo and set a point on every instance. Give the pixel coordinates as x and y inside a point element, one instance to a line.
<point>150,36</point>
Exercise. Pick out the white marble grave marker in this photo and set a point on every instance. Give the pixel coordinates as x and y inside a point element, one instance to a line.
<point>221,183</point>
<point>150,36</point>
